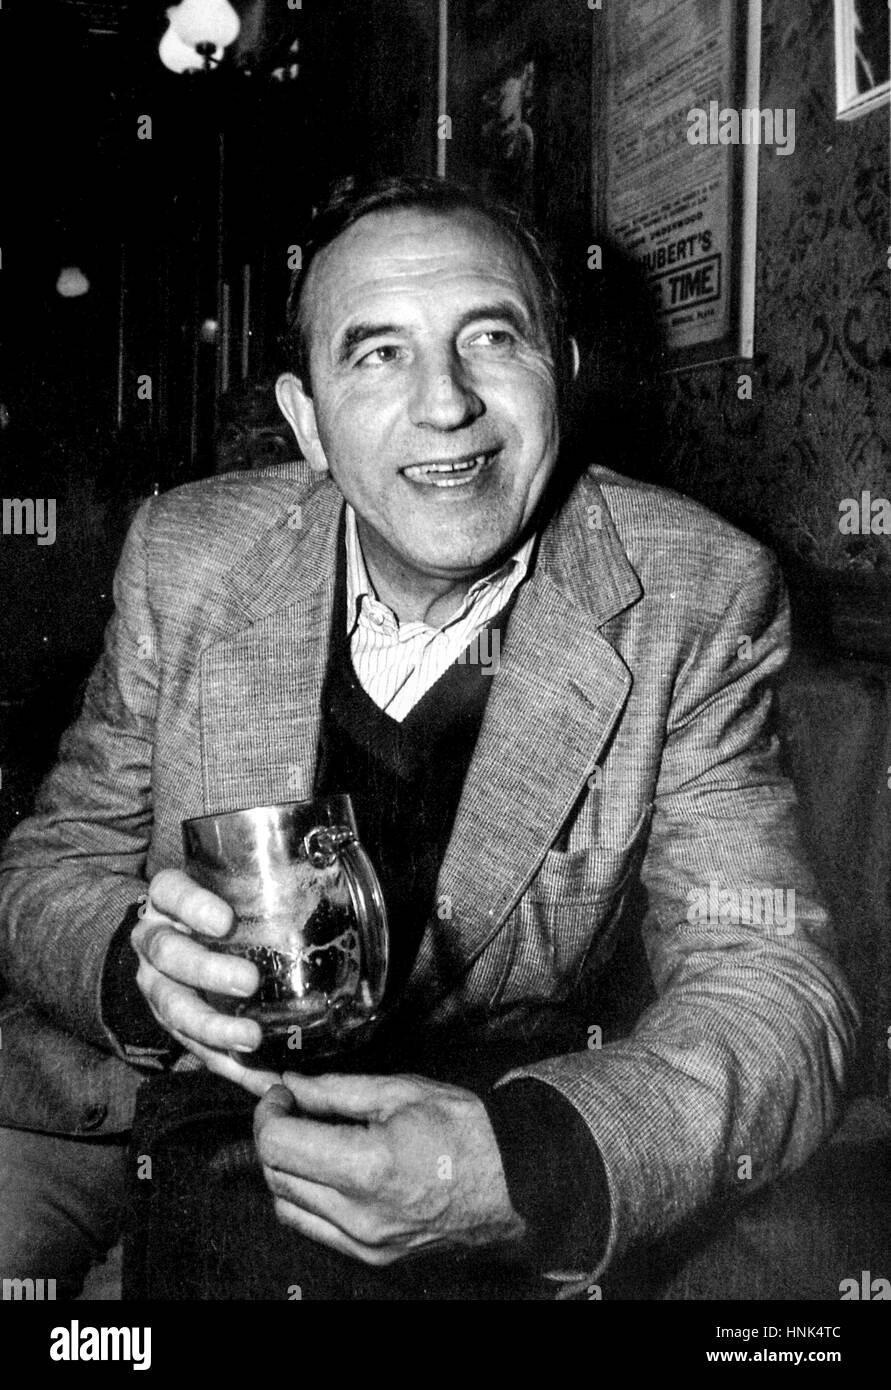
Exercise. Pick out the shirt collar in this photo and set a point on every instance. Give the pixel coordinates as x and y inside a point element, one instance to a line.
<point>359,586</point>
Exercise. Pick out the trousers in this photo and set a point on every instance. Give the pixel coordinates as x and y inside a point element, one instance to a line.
<point>61,1207</point>
<point>63,1202</point>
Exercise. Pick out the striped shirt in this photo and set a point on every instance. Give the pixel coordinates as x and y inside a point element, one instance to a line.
<point>397,663</point>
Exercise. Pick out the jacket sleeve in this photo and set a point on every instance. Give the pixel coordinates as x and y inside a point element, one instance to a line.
<point>70,871</point>
<point>735,1074</point>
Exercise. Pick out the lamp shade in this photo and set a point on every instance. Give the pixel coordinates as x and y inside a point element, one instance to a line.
<point>178,56</point>
<point>205,21</point>
<point>72,282</point>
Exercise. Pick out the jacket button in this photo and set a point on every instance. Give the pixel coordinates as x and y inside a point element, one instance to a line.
<point>94,1116</point>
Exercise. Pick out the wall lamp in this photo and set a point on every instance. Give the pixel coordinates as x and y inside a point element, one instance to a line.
<point>198,32</point>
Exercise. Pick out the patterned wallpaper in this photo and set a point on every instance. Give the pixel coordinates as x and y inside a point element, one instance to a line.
<point>818,428</point>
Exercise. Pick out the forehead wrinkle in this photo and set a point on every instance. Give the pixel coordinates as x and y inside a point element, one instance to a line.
<point>396,277</point>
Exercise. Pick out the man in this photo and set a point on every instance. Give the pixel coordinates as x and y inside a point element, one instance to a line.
<point>307,630</point>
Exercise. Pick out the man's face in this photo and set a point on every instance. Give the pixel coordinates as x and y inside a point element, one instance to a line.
<point>434,396</point>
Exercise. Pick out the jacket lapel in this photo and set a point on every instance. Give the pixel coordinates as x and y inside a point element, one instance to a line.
<point>261,685</point>
<point>556,697</point>
<point>558,693</point>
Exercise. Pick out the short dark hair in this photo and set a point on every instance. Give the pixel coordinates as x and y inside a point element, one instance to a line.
<point>350,199</point>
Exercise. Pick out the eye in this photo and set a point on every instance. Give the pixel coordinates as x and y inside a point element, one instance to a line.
<point>380,356</point>
<point>493,339</point>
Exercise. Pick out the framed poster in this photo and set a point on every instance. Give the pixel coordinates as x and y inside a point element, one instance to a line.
<point>676,140</point>
<point>862,57</point>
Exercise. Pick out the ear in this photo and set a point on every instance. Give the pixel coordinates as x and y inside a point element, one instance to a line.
<point>574,357</point>
<point>300,413</point>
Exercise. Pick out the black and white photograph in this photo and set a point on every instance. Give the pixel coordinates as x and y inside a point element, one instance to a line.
<point>863,56</point>
<point>507,135</point>
<point>445,672</point>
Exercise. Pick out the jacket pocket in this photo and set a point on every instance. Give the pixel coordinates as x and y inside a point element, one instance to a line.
<point>568,917</point>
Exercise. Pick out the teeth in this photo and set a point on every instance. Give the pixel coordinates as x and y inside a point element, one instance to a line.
<point>458,466</point>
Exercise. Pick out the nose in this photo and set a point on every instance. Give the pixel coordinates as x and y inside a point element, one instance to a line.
<point>444,398</point>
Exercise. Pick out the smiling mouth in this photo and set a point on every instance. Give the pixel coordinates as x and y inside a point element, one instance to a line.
<point>450,472</point>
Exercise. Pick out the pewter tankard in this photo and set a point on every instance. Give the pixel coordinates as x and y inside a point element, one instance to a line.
<point>310,914</point>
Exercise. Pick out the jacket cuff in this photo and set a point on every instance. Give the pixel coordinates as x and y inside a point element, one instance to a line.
<point>554,1173</point>
<point>126,1016</point>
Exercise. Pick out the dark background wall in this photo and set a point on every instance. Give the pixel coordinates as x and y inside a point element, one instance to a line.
<point>818,428</point>
<point>164,229</point>
<point>130,387</point>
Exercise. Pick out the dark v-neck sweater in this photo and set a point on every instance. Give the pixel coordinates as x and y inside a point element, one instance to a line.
<point>405,781</point>
<point>404,778</point>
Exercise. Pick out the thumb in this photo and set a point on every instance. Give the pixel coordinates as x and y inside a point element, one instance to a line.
<point>275,1104</point>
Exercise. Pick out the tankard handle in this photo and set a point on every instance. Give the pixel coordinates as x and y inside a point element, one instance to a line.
<point>371,912</point>
<point>325,844</point>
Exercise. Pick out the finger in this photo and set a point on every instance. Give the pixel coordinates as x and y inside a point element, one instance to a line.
<point>181,958</point>
<point>277,1103</point>
<point>341,1156</point>
<point>360,1221</point>
<point>326,1233</point>
<point>326,1202</point>
<point>353,1097</point>
<point>222,1064</point>
<point>172,892</point>
<point>355,1223</point>
<point>181,1011</point>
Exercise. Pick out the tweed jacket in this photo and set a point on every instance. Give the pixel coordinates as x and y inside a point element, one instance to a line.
<point>626,740</point>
